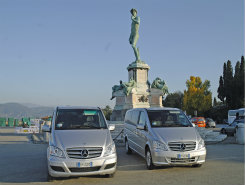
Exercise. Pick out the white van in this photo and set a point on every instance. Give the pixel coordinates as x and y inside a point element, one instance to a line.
<point>163,136</point>
<point>80,143</point>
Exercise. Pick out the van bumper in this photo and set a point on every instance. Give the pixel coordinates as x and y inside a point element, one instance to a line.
<point>171,158</point>
<point>63,167</point>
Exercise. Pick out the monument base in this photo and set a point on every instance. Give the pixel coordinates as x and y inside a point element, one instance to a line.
<point>137,93</point>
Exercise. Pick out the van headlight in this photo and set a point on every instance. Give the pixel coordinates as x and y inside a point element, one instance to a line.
<point>201,144</point>
<point>159,146</point>
<point>55,151</point>
<point>110,149</point>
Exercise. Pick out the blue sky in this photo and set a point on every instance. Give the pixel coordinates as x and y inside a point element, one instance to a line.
<point>71,52</point>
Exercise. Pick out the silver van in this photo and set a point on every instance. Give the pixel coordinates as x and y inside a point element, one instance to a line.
<point>80,143</point>
<point>163,136</point>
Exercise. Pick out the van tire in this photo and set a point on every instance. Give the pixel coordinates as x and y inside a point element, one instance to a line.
<point>222,131</point>
<point>128,149</point>
<point>50,178</point>
<point>148,159</point>
<point>110,175</point>
<point>196,165</point>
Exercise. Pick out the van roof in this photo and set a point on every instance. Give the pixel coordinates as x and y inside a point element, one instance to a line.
<point>78,107</point>
<point>156,108</point>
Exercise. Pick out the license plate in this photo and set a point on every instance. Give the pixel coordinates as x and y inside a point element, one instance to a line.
<point>183,156</point>
<point>84,164</point>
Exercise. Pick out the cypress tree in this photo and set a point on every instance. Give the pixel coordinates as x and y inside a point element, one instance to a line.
<point>221,90</point>
<point>215,102</point>
<point>228,84</point>
<point>224,78</point>
<point>236,86</point>
<point>241,82</point>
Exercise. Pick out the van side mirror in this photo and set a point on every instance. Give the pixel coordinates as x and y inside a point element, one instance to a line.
<point>111,127</point>
<point>141,127</point>
<point>46,128</point>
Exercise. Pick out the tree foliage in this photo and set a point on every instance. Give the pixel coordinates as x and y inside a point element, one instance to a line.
<point>197,97</point>
<point>107,112</point>
<point>231,87</point>
<point>174,100</point>
<point>221,90</point>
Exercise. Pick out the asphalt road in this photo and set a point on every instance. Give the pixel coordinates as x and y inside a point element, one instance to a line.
<point>21,161</point>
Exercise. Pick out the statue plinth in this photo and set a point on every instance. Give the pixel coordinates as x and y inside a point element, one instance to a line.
<point>138,71</point>
<point>138,64</point>
<point>139,95</point>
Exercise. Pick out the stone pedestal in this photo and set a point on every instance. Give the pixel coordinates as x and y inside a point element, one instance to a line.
<point>141,96</point>
<point>156,98</point>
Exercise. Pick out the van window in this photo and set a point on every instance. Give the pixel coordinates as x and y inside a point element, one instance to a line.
<point>168,118</point>
<point>142,120</point>
<point>68,119</point>
<point>135,117</point>
<point>128,116</point>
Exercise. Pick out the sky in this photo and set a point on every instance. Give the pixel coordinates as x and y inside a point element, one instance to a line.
<point>71,52</point>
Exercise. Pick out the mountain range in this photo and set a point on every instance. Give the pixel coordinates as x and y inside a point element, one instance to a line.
<point>17,110</point>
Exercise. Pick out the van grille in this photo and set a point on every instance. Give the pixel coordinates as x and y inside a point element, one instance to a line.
<point>87,169</point>
<point>183,160</point>
<point>84,153</point>
<point>182,146</point>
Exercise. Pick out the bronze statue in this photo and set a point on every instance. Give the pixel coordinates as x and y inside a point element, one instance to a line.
<point>134,36</point>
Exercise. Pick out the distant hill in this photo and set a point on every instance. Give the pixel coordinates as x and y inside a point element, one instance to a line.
<point>17,110</point>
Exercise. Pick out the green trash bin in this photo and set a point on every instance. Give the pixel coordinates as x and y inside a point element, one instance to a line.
<point>11,122</point>
<point>2,122</point>
<point>16,122</point>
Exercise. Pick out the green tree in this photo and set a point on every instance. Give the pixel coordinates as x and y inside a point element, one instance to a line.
<point>174,100</point>
<point>231,88</point>
<point>241,82</point>
<point>221,90</point>
<point>107,112</point>
<point>197,96</point>
<point>215,102</point>
<point>228,84</point>
<point>236,86</point>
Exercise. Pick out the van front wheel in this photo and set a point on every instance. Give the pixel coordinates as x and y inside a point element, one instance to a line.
<point>148,159</point>
<point>128,149</point>
<point>50,178</point>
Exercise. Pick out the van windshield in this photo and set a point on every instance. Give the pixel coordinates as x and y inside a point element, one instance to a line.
<point>68,119</point>
<point>168,118</point>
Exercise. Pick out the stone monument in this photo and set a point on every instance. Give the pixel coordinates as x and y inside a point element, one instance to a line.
<point>137,92</point>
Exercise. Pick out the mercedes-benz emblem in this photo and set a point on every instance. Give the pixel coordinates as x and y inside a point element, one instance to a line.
<point>84,153</point>
<point>182,146</point>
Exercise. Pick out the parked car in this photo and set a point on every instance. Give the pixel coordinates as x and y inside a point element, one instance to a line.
<point>199,121</point>
<point>230,129</point>
<point>80,143</point>
<point>163,136</point>
<point>210,123</point>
